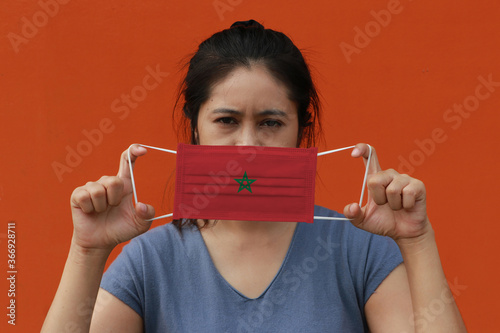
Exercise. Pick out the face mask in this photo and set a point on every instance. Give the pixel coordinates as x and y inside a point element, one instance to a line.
<point>249,183</point>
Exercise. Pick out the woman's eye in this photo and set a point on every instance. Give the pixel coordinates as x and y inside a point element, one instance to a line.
<point>226,120</point>
<point>272,123</point>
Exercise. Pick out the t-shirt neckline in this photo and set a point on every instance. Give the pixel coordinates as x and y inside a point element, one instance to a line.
<point>219,275</point>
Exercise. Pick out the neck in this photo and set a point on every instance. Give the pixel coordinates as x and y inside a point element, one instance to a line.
<point>250,234</point>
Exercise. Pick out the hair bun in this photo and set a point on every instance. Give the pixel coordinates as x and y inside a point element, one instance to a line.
<point>247,24</point>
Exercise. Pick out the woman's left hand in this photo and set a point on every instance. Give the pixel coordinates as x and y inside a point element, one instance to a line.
<point>396,205</point>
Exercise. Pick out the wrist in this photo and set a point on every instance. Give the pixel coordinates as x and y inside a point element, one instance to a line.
<point>85,254</point>
<point>418,243</point>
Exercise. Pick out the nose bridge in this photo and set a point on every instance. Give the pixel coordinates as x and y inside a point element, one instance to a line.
<point>247,135</point>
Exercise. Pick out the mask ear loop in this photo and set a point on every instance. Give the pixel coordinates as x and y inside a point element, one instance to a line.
<point>132,175</point>
<point>362,188</point>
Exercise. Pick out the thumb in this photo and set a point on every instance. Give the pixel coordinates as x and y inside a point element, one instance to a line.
<point>354,213</point>
<point>144,212</point>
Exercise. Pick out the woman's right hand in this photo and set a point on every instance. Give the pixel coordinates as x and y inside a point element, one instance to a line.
<point>103,211</point>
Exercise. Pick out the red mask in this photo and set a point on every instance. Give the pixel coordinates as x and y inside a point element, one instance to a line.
<point>249,183</point>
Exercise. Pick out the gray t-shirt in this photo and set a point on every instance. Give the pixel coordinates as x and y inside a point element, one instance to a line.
<point>330,270</point>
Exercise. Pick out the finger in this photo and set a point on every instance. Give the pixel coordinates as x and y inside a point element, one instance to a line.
<point>377,185</point>
<point>97,195</point>
<point>363,150</point>
<point>135,151</point>
<point>413,192</point>
<point>114,189</point>
<point>144,211</point>
<point>355,213</point>
<point>80,198</point>
<point>394,191</point>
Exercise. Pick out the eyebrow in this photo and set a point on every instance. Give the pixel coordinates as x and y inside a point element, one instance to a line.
<point>270,112</point>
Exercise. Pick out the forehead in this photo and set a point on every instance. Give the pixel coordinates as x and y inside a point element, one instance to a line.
<point>251,88</point>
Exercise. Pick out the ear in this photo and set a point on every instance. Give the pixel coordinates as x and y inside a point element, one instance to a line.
<point>196,136</point>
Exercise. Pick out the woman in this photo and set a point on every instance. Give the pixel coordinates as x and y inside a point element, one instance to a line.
<point>250,86</point>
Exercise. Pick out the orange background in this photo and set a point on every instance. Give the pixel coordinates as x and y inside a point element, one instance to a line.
<point>393,93</point>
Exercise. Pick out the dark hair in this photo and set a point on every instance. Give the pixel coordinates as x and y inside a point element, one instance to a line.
<point>243,44</point>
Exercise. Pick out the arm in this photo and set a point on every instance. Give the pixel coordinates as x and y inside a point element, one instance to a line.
<point>389,308</point>
<point>75,298</point>
<point>419,283</point>
<point>396,207</point>
<point>435,307</point>
<point>80,304</point>
<point>111,314</point>
<point>103,216</point>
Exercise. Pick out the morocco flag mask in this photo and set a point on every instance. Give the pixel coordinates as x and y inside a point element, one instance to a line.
<point>249,183</point>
